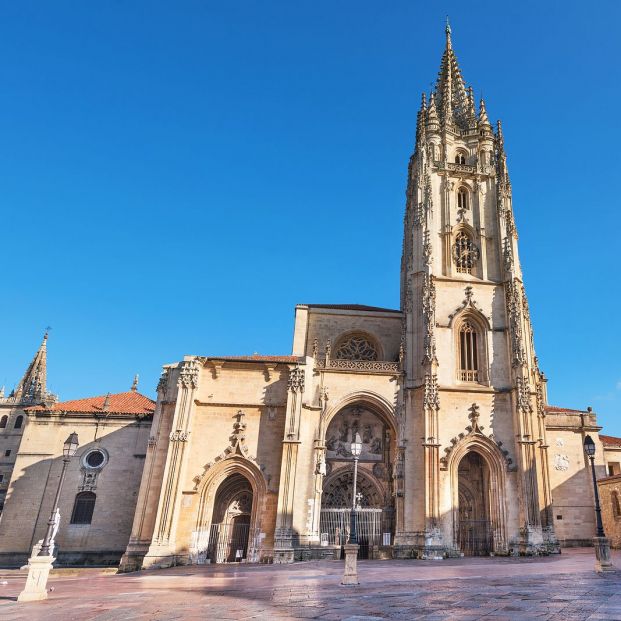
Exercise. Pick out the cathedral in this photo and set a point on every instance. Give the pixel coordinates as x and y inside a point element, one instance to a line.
<point>254,458</point>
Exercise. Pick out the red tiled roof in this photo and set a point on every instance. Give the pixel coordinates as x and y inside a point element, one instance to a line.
<point>130,402</point>
<point>610,440</point>
<point>360,307</point>
<point>257,358</point>
<point>556,408</point>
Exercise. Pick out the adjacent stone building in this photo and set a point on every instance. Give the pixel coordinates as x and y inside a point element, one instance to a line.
<point>101,486</point>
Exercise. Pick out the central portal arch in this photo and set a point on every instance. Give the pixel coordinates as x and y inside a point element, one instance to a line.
<point>373,494</point>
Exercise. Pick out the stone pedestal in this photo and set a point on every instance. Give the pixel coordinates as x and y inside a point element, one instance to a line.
<point>36,584</point>
<point>603,562</point>
<point>350,575</point>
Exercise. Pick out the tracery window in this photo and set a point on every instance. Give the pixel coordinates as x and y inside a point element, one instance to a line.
<point>468,353</point>
<point>83,508</point>
<point>465,253</point>
<point>356,347</point>
<point>460,158</point>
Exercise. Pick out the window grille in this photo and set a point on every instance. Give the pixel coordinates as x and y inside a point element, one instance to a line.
<point>83,508</point>
<point>468,354</point>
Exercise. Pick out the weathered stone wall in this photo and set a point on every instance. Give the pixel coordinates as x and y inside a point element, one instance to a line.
<point>609,487</point>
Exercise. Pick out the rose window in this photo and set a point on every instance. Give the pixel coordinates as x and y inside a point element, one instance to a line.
<point>356,347</point>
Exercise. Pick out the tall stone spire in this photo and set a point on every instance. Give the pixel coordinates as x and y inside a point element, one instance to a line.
<point>32,387</point>
<point>451,95</point>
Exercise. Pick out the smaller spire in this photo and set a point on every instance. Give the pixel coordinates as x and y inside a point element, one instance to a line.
<point>1,392</point>
<point>106,404</point>
<point>32,387</point>
<point>433,123</point>
<point>134,387</point>
<point>483,118</point>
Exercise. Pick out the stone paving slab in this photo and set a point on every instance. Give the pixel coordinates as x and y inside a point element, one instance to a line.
<point>555,588</point>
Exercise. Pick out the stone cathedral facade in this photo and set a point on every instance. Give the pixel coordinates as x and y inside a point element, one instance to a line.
<point>249,457</point>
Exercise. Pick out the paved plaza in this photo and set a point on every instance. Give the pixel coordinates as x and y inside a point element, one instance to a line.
<point>563,588</point>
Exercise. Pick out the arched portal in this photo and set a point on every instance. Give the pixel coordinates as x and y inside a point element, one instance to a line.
<point>230,524</point>
<point>474,533</point>
<point>373,494</point>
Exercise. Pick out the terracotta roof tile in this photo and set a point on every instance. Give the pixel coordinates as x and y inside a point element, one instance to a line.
<point>610,440</point>
<point>359,307</point>
<point>556,408</point>
<point>121,403</point>
<point>257,358</point>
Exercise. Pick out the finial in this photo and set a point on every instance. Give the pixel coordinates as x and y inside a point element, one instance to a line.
<point>134,387</point>
<point>447,30</point>
<point>47,332</point>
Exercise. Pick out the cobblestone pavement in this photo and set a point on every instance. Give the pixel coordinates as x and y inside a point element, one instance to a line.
<point>560,588</point>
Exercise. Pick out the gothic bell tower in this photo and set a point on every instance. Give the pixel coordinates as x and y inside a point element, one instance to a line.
<point>473,447</point>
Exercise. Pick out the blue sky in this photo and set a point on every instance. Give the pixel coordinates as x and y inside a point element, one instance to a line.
<point>176,176</point>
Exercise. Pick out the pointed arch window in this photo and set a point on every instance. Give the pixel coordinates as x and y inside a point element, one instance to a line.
<point>462,198</point>
<point>465,253</point>
<point>19,421</point>
<point>460,158</point>
<point>3,421</point>
<point>83,508</point>
<point>468,353</point>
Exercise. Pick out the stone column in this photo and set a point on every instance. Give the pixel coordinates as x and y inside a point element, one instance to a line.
<point>285,535</point>
<point>163,545</point>
<point>150,487</point>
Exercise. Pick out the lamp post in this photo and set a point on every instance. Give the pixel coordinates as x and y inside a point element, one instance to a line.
<point>600,541</point>
<point>350,575</point>
<point>356,450</point>
<point>40,564</point>
<point>69,450</point>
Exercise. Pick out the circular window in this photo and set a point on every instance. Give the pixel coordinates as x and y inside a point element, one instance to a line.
<point>95,459</point>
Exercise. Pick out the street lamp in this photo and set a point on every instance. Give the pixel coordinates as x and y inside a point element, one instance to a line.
<point>69,450</point>
<point>600,542</point>
<point>356,450</point>
<point>589,449</point>
<point>39,566</point>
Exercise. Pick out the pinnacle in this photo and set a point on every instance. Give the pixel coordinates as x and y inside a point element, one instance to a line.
<point>483,118</point>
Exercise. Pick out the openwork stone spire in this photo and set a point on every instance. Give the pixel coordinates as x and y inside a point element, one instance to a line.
<point>32,387</point>
<point>451,96</point>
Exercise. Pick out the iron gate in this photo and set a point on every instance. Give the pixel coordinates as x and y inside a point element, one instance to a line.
<point>228,543</point>
<point>475,537</point>
<point>373,527</point>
